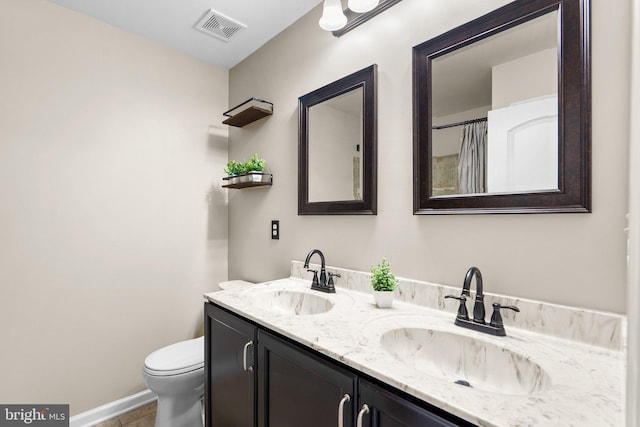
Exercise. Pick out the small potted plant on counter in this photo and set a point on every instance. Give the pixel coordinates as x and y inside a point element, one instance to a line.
<point>383,282</point>
<point>249,171</point>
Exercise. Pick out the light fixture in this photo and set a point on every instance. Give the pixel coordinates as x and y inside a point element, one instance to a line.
<point>362,6</point>
<point>340,22</point>
<point>333,18</point>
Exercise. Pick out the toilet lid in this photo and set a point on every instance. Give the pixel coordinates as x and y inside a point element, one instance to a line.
<point>176,358</point>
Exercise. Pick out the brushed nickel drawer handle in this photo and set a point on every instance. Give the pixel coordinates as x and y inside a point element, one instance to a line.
<point>248,368</point>
<point>363,411</point>
<point>345,398</point>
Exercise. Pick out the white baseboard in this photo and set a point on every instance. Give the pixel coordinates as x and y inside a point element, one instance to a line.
<point>113,409</point>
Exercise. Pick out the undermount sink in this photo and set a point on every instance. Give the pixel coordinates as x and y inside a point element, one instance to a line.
<point>290,302</point>
<point>466,361</point>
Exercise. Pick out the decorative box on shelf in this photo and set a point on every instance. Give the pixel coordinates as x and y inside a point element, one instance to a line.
<point>251,179</point>
<point>249,111</point>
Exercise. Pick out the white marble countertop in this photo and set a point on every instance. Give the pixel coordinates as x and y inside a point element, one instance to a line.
<point>577,385</point>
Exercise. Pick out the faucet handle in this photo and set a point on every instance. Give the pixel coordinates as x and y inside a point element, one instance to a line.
<point>331,276</point>
<point>330,285</point>
<point>496,317</point>
<point>315,276</point>
<point>462,309</point>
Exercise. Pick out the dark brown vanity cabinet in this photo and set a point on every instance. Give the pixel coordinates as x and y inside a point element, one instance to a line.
<point>254,378</point>
<point>230,374</point>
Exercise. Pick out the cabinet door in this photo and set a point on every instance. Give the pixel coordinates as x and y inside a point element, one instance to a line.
<point>230,386</point>
<point>385,409</point>
<point>297,388</point>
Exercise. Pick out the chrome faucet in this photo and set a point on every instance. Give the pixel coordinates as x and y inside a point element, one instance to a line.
<point>321,283</point>
<point>495,327</point>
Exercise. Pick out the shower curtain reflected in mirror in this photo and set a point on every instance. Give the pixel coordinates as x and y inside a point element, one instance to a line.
<point>472,159</point>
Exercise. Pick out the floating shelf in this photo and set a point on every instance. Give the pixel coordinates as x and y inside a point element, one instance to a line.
<point>251,179</point>
<point>248,112</point>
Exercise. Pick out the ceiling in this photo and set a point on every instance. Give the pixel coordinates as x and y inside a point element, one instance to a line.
<point>172,22</point>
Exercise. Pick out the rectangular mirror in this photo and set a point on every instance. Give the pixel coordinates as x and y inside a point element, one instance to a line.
<point>337,147</point>
<point>501,112</point>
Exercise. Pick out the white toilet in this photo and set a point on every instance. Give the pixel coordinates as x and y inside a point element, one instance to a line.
<point>176,374</point>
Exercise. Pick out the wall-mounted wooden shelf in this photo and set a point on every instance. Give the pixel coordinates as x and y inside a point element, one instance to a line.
<point>248,180</point>
<point>248,112</point>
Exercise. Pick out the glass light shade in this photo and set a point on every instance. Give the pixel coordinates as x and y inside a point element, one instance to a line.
<point>361,6</point>
<point>333,18</point>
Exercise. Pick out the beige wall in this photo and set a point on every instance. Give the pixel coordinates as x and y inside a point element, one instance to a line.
<point>575,259</point>
<point>112,222</point>
<point>527,77</point>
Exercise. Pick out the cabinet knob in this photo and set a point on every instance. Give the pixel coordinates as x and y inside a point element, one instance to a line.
<point>363,411</point>
<point>345,398</point>
<point>247,368</point>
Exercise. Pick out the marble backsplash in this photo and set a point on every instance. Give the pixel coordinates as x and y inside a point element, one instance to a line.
<point>606,330</point>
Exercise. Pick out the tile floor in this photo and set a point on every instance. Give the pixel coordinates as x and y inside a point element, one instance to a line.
<point>144,416</point>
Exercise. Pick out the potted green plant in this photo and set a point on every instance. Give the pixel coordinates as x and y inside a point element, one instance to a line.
<point>383,283</point>
<point>251,170</point>
<point>254,167</point>
<point>254,164</point>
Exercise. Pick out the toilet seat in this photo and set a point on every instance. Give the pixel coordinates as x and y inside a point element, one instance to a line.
<point>176,359</point>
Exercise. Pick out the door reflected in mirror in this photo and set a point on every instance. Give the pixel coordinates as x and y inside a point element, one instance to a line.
<point>335,148</point>
<point>495,113</point>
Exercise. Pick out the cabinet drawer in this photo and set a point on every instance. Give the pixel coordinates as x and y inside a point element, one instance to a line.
<point>389,410</point>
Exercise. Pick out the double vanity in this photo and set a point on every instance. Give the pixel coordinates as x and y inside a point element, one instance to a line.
<point>278,353</point>
<point>285,354</point>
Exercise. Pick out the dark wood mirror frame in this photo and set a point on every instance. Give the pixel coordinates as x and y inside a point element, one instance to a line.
<point>365,79</point>
<point>574,113</point>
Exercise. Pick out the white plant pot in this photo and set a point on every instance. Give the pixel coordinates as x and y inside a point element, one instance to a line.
<point>383,299</point>
<point>255,176</point>
<point>251,177</point>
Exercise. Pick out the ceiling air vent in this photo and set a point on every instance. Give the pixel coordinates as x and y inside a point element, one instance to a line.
<point>219,26</point>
